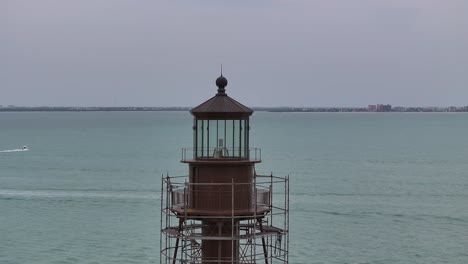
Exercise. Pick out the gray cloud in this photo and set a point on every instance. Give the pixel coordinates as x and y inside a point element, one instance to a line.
<point>165,53</point>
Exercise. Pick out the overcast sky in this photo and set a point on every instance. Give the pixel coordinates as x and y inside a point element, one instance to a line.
<point>274,52</point>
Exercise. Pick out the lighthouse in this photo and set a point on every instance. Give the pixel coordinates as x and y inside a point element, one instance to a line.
<point>223,211</point>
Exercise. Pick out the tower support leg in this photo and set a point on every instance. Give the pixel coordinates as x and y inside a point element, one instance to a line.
<point>181,221</point>
<point>265,253</point>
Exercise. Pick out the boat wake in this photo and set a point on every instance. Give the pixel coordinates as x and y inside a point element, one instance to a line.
<point>77,195</point>
<point>15,150</point>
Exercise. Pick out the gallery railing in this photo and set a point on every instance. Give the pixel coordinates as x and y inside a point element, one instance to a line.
<point>254,154</point>
<point>217,197</point>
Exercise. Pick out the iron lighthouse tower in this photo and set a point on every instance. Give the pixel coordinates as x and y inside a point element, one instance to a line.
<point>223,211</point>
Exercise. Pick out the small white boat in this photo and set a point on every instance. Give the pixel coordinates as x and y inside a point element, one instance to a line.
<point>24,148</point>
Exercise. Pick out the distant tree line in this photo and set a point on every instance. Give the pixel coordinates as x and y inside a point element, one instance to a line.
<point>11,108</point>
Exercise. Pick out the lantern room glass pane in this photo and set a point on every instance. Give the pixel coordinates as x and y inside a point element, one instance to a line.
<point>236,139</point>
<point>206,139</point>
<point>204,151</point>
<point>246,139</point>
<point>242,139</point>
<point>221,139</point>
<point>229,134</point>
<point>214,135</point>
<point>199,144</point>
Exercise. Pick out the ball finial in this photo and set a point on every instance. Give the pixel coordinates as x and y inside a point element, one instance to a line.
<point>221,82</point>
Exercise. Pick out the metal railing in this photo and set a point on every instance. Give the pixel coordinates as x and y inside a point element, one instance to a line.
<point>253,154</point>
<point>218,197</point>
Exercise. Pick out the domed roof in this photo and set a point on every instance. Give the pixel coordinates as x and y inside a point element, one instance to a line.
<point>221,105</point>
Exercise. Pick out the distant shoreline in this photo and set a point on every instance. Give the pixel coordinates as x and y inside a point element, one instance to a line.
<point>266,109</point>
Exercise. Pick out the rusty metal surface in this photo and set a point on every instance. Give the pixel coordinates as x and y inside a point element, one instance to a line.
<point>220,189</point>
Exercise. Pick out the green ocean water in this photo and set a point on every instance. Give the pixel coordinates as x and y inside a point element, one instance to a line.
<point>365,187</point>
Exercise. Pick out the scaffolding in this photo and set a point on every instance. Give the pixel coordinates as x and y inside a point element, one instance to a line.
<point>257,231</point>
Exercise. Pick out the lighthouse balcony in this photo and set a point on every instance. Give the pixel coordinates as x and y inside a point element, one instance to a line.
<point>220,199</point>
<point>249,222</point>
<point>221,154</point>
